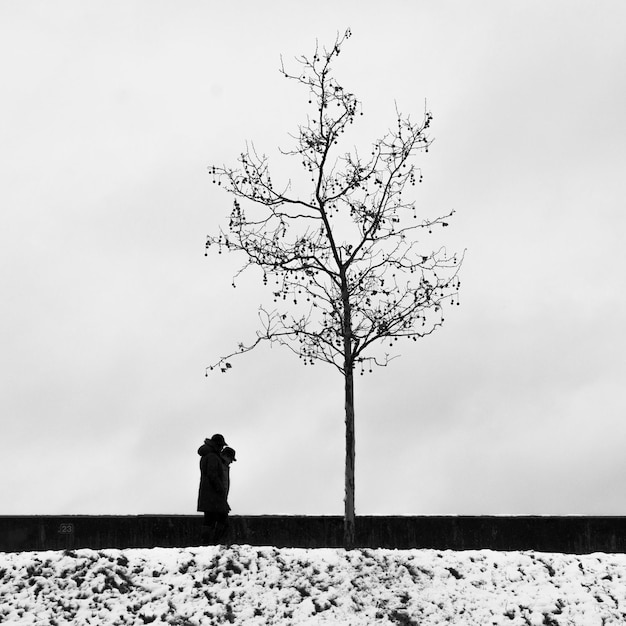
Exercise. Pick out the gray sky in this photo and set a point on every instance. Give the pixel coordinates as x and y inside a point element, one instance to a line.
<point>110,113</point>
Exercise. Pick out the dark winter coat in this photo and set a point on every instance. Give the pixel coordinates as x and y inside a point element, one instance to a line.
<point>212,495</point>
<point>226,477</point>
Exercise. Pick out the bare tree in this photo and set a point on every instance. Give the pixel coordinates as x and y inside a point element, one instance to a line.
<point>347,273</point>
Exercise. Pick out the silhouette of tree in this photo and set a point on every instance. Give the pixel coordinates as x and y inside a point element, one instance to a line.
<point>347,273</point>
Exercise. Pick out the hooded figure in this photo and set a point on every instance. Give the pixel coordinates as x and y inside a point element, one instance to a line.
<point>212,495</point>
<point>228,457</point>
<point>213,489</point>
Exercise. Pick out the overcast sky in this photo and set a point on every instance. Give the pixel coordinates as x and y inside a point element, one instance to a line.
<point>110,113</point>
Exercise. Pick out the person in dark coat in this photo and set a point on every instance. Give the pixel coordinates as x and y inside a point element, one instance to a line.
<point>212,494</point>
<point>228,456</point>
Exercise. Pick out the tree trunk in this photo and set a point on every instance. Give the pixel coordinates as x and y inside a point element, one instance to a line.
<point>349,531</point>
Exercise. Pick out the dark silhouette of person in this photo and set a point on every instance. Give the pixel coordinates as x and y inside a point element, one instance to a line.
<point>228,456</point>
<point>213,491</point>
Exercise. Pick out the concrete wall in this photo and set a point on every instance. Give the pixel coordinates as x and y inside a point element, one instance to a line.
<point>576,535</point>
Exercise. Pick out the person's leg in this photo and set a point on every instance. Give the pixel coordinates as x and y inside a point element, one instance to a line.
<point>221,528</point>
<point>208,528</point>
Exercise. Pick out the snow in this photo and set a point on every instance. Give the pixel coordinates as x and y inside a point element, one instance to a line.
<point>265,585</point>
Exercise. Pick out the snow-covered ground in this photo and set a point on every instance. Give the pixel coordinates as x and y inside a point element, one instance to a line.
<point>263,585</point>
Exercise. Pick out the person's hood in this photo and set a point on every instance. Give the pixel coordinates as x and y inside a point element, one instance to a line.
<point>205,448</point>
